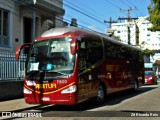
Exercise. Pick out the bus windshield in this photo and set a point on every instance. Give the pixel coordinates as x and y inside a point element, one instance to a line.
<point>52,55</point>
<point>148,73</point>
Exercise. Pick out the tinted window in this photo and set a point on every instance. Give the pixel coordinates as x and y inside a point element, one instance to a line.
<point>114,50</point>
<point>90,52</point>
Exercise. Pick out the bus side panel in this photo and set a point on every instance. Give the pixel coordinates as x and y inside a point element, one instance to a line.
<point>117,74</point>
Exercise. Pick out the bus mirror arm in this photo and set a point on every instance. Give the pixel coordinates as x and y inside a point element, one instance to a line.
<point>19,48</point>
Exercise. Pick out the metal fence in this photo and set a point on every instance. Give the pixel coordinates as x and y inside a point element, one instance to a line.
<point>10,69</point>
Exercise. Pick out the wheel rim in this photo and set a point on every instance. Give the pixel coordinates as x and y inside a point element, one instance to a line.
<point>100,94</point>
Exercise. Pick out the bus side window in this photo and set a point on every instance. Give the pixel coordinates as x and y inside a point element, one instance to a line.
<point>110,50</point>
<point>82,56</point>
<point>95,51</point>
<point>90,52</point>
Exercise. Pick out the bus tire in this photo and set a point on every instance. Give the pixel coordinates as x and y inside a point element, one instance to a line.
<point>155,82</point>
<point>101,94</point>
<point>135,86</point>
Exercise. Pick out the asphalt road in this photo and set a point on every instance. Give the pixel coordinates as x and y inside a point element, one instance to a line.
<point>143,104</point>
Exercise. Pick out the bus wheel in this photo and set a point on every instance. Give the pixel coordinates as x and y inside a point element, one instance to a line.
<point>100,94</point>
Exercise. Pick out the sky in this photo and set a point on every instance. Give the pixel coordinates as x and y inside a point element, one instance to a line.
<point>92,13</point>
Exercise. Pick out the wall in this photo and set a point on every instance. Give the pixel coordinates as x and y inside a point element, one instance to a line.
<point>11,89</point>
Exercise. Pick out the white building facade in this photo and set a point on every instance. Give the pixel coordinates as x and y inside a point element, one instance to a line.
<point>151,40</point>
<point>121,31</point>
<point>139,36</point>
<point>23,20</point>
<point>139,33</point>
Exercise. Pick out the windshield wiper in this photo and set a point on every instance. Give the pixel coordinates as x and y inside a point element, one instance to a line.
<point>38,74</point>
<point>31,74</point>
<point>60,73</point>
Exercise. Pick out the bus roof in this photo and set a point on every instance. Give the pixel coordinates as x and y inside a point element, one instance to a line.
<point>79,31</point>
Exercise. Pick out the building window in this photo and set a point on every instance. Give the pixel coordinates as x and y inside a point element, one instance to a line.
<point>118,31</point>
<point>148,34</point>
<point>4,28</point>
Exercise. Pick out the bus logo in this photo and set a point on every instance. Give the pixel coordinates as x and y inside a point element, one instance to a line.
<point>44,86</point>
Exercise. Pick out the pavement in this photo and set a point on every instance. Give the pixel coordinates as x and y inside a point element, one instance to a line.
<point>15,105</point>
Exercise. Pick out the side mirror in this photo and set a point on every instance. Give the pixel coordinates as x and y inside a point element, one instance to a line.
<point>19,48</point>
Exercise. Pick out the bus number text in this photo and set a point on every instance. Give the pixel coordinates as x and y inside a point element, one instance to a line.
<point>61,81</point>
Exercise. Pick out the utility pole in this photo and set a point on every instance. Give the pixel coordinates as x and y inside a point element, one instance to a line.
<point>110,22</point>
<point>109,31</point>
<point>128,20</point>
<point>137,35</point>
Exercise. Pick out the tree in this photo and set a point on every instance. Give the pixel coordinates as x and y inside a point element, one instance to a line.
<point>154,18</point>
<point>116,38</point>
<point>148,52</point>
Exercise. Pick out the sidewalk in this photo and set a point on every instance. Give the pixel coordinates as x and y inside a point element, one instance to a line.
<point>14,105</point>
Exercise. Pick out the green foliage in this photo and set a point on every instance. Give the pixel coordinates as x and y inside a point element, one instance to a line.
<point>147,52</point>
<point>154,18</point>
<point>116,38</point>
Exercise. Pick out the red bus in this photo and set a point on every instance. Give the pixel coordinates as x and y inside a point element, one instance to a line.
<point>70,65</point>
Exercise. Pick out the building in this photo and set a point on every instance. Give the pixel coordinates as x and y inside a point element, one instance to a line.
<point>137,32</point>
<point>150,40</point>
<point>121,31</point>
<point>23,20</point>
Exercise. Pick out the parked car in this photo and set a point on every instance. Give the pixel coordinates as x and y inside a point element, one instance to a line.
<point>150,77</point>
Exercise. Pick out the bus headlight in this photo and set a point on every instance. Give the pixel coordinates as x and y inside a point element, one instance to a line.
<point>71,89</point>
<point>26,91</point>
<point>30,83</point>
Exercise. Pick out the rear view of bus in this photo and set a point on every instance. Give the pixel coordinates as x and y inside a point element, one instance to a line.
<point>49,70</point>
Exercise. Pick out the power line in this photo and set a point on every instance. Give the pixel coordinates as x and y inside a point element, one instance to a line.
<point>139,26</point>
<point>128,12</point>
<point>66,20</point>
<point>89,16</point>
<point>81,13</point>
<point>42,11</point>
<point>83,10</point>
<point>79,8</point>
<point>128,19</point>
<point>114,5</point>
<point>90,9</point>
<point>130,3</point>
<point>124,2</point>
<point>134,6</point>
<point>83,22</point>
